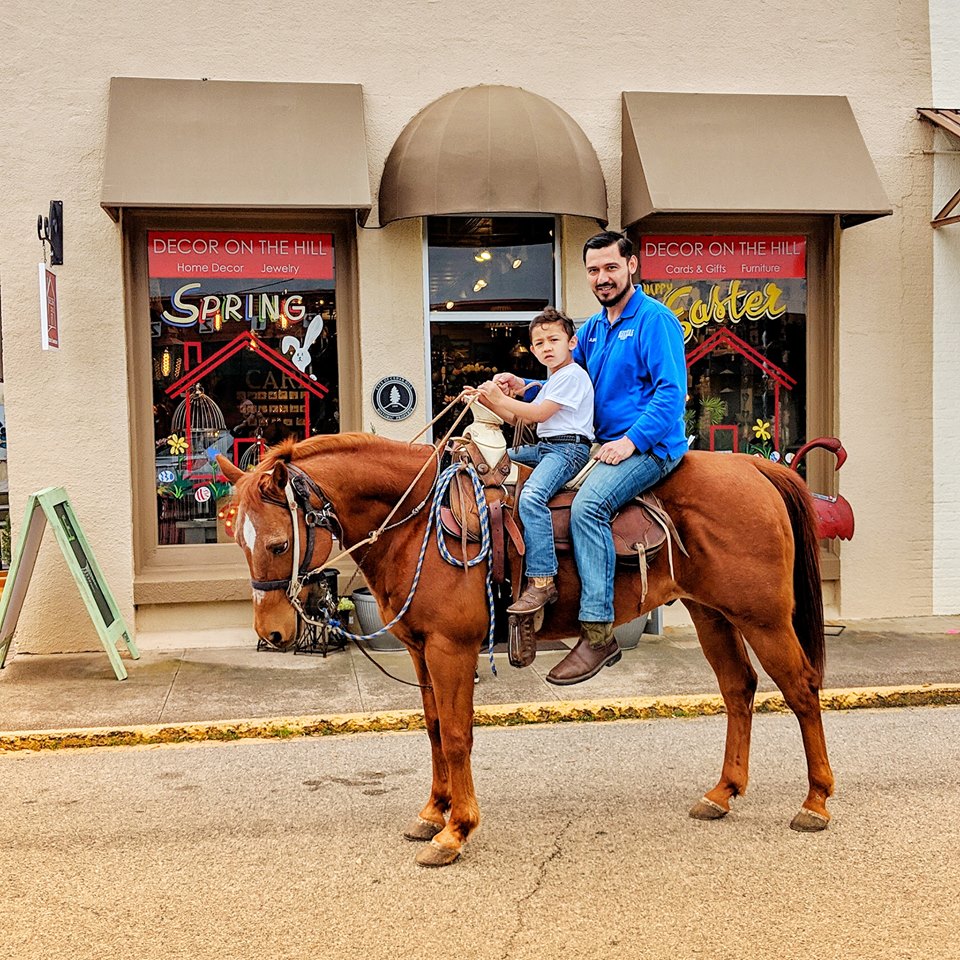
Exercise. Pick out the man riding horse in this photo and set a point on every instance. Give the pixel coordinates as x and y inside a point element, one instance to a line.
<point>633,351</point>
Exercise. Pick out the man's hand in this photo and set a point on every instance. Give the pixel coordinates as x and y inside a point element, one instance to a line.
<point>615,451</point>
<point>510,384</point>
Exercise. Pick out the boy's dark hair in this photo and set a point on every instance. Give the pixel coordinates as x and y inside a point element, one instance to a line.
<point>550,315</point>
<point>607,239</point>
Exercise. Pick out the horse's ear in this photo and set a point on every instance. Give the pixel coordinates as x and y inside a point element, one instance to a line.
<point>272,484</point>
<point>232,472</point>
<point>281,475</point>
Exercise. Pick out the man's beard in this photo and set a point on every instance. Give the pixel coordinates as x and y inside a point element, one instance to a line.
<point>615,300</point>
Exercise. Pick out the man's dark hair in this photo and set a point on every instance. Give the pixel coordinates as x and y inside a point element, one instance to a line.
<point>550,315</point>
<point>607,239</point>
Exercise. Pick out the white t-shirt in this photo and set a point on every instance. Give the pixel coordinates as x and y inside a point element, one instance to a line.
<point>570,386</point>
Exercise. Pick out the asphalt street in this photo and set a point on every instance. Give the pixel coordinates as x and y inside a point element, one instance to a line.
<point>273,849</point>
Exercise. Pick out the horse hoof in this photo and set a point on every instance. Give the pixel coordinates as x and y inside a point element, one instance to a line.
<point>420,829</point>
<point>705,809</point>
<point>808,821</point>
<point>435,855</point>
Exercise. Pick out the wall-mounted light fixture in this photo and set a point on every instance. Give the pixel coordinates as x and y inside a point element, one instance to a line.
<point>50,231</point>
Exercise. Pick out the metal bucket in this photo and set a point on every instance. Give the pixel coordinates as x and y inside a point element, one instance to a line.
<point>369,621</point>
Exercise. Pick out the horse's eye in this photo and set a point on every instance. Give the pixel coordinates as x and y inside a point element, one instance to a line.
<point>280,548</point>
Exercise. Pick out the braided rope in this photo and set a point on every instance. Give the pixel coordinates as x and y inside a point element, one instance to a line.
<point>433,518</point>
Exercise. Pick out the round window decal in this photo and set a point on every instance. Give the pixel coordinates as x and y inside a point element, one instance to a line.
<point>394,398</point>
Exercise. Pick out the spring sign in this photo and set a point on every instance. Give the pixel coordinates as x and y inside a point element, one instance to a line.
<point>201,256</point>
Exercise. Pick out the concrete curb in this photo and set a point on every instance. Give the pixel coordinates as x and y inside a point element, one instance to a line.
<point>503,715</point>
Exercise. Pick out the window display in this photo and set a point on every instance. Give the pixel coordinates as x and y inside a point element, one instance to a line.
<point>499,266</point>
<point>244,354</point>
<point>742,304</point>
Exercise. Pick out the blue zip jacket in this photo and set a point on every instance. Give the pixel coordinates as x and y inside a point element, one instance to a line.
<point>639,375</point>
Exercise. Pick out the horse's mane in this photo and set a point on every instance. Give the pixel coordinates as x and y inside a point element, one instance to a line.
<point>289,450</point>
<point>257,483</point>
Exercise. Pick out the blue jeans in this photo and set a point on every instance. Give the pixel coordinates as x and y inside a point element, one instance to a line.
<point>607,488</point>
<point>553,465</point>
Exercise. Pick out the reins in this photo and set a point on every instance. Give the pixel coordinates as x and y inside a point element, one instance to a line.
<point>299,489</point>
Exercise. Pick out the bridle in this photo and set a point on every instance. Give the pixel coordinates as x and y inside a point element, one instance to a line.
<point>299,491</point>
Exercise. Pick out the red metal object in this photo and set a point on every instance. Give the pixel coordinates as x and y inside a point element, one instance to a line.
<point>834,514</point>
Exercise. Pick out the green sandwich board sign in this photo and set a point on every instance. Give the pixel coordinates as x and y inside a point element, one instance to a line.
<point>54,505</point>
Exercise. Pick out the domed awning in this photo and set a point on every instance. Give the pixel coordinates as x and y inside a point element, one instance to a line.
<point>490,150</point>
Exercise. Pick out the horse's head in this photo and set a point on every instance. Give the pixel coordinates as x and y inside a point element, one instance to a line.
<point>264,529</point>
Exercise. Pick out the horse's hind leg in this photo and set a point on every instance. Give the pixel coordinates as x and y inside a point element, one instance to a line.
<point>430,821</point>
<point>780,654</point>
<point>451,667</point>
<point>724,649</point>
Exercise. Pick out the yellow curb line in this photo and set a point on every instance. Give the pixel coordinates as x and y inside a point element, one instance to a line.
<point>503,715</point>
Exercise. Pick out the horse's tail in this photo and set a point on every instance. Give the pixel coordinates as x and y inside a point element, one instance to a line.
<point>807,595</point>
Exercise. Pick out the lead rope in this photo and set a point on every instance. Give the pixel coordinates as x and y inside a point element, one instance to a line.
<point>374,535</point>
<point>433,517</point>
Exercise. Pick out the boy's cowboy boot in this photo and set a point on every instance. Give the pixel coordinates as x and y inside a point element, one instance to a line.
<point>597,648</point>
<point>534,598</point>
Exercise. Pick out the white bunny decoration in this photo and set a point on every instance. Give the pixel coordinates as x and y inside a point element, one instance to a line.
<point>301,352</point>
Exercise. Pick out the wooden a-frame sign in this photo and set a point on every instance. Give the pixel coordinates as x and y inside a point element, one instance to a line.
<point>54,505</point>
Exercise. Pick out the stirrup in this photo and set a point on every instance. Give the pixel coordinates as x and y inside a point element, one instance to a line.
<point>522,632</point>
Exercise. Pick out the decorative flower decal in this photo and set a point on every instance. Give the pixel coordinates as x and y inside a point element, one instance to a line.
<point>178,445</point>
<point>761,429</point>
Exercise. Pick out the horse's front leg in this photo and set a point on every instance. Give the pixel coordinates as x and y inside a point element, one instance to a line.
<point>430,821</point>
<point>450,666</point>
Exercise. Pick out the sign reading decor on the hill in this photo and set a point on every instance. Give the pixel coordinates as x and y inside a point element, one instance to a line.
<point>394,398</point>
<point>54,505</point>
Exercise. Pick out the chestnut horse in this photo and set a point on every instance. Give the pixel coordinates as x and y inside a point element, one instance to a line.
<point>751,578</point>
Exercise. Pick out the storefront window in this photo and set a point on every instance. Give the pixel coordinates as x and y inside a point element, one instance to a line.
<point>244,354</point>
<point>488,277</point>
<point>742,303</point>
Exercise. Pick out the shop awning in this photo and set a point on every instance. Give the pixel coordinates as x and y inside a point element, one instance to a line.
<point>746,153</point>
<point>216,143</point>
<point>489,150</point>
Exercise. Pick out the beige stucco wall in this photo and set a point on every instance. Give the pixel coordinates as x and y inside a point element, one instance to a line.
<point>68,411</point>
<point>945,59</point>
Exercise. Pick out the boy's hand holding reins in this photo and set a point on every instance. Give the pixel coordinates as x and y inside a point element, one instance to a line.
<point>510,384</point>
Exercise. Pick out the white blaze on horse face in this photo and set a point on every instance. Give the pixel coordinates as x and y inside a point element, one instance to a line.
<point>249,532</point>
<point>259,596</point>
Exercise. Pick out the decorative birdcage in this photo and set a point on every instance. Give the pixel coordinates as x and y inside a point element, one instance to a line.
<point>199,420</point>
<point>251,456</point>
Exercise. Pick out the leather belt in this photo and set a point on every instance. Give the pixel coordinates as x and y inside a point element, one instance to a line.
<point>567,438</point>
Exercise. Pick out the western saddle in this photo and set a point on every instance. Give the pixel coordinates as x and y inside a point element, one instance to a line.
<point>640,529</point>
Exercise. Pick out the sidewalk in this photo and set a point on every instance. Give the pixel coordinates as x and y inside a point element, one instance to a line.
<point>197,686</point>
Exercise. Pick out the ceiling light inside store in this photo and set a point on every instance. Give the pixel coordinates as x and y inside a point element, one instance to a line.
<point>449,304</point>
<point>479,285</point>
<point>516,263</point>
<point>482,256</point>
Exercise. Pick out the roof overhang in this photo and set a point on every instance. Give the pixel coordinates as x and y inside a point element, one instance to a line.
<point>218,143</point>
<point>948,120</point>
<point>746,153</point>
<point>492,150</point>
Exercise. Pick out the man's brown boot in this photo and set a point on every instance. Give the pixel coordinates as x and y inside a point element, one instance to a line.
<point>535,597</point>
<point>597,648</point>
